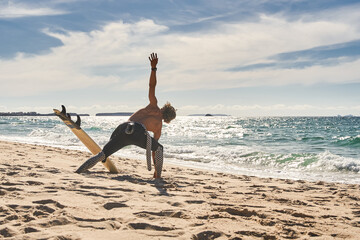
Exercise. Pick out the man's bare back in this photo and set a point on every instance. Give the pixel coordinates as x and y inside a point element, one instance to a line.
<point>151,117</point>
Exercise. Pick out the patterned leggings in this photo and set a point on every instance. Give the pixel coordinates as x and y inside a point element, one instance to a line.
<point>129,133</point>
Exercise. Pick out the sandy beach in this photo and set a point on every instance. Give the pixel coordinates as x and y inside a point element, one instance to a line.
<point>42,198</point>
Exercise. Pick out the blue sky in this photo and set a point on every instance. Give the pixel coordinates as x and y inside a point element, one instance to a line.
<point>243,58</point>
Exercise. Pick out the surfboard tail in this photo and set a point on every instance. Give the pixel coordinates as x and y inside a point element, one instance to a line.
<point>83,136</point>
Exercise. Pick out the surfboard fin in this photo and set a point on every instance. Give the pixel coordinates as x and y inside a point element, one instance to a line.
<point>63,109</point>
<point>78,120</point>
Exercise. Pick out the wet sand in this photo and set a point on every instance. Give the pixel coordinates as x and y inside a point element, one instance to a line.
<point>42,198</point>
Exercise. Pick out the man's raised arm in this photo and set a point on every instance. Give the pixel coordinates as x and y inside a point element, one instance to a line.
<point>152,84</point>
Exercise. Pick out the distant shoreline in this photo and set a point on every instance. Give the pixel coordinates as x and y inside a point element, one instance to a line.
<point>25,114</point>
<point>114,114</point>
<point>20,114</point>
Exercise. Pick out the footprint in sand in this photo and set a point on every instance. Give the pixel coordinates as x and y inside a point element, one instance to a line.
<point>176,204</point>
<point>28,213</point>
<point>30,230</point>
<point>256,234</point>
<point>206,235</point>
<point>7,232</point>
<point>146,226</point>
<point>34,183</point>
<point>56,222</point>
<point>43,210</point>
<point>241,212</point>
<point>106,188</point>
<point>49,201</point>
<point>11,173</point>
<point>165,213</point>
<point>195,201</point>
<point>213,216</point>
<point>111,205</point>
<point>99,224</point>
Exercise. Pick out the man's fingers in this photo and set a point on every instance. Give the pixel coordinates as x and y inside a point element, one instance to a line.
<point>153,56</point>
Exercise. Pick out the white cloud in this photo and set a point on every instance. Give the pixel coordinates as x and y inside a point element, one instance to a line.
<point>19,10</point>
<point>117,54</point>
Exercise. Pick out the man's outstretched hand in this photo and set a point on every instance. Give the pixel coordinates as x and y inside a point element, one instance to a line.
<point>153,60</point>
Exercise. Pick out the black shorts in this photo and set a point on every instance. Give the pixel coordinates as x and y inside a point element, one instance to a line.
<point>128,133</point>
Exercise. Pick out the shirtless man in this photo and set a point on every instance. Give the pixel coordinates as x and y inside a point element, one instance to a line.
<point>134,132</point>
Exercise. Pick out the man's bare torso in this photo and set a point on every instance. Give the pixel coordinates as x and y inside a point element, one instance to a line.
<point>151,117</point>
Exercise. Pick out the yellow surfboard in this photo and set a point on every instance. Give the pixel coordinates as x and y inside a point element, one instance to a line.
<point>83,136</point>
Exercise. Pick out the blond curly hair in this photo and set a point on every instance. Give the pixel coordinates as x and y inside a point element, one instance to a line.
<point>168,112</point>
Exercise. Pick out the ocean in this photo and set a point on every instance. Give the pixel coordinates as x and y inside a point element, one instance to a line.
<point>307,148</point>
